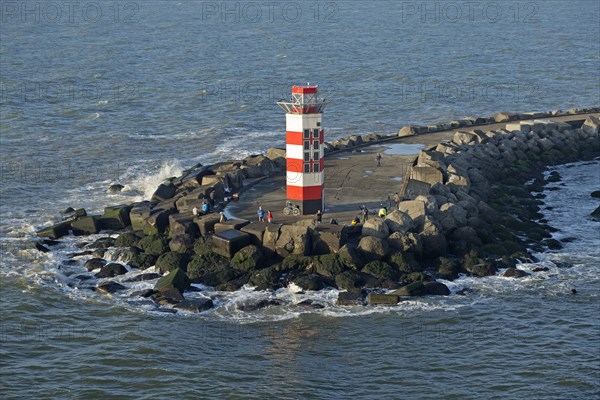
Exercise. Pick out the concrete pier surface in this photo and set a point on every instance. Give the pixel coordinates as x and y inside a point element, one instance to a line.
<point>352,178</point>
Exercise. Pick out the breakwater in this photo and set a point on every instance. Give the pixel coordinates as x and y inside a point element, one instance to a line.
<point>468,213</point>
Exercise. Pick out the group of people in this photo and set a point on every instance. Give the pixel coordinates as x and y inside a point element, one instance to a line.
<point>261,215</point>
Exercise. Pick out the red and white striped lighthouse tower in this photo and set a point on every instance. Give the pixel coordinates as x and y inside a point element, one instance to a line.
<point>304,148</point>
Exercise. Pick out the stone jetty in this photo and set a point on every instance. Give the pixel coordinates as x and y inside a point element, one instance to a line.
<point>467,202</point>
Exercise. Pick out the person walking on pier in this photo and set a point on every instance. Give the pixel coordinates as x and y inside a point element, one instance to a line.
<point>261,214</point>
<point>396,199</point>
<point>211,197</point>
<point>365,213</point>
<point>269,216</point>
<point>378,158</point>
<point>319,217</point>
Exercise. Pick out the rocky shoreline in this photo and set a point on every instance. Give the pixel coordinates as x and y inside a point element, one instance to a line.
<point>471,206</point>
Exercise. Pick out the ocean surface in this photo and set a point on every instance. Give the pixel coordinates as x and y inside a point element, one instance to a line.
<point>96,93</point>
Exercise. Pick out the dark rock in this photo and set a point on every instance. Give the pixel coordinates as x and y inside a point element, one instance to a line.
<point>40,247</point>
<point>102,243</point>
<point>310,304</point>
<point>169,295</point>
<point>463,292</point>
<point>481,270</point>
<point>126,254</point>
<point>110,287</point>
<point>265,279</point>
<point>515,273</point>
<point>142,261</point>
<point>351,257</point>
<point>328,265</point>
<point>436,288</point>
<point>560,264</point>
<point>111,270</point>
<point>382,299</point>
<point>94,263</point>
<point>540,269</point>
<point>210,269</point>
<point>253,306</point>
<point>84,226</point>
<point>405,262</point>
<point>229,242</point>
<point>115,217</point>
<point>596,214</point>
<point>182,243</point>
<point>351,298</point>
<point>248,258</point>
<point>127,239</point>
<point>143,293</point>
<point>381,270</point>
<point>595,194</point>
<point>50,242</point>
<point>417,277</point>
<point>412,289</point>
<point>80,254</point>
<point>448,269</point>
<point>553,244</point>
<point>349,280</point>
<point>164,192</point>
<point>154,244</point>
<point>116,188</point>
<point>55,231</point>
<point>195,305</point>
<point>175,279</point>
<point>311,282</point>
<point>143,277</point>
<point>553,177</point>
<point>170,261</point>
<point>373,248</point>
<point>295,262</point>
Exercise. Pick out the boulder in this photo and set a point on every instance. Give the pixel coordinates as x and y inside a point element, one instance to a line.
<point>293,239</point>
<point>406,242</point>
<point>256,166</point>
<point>270,236</point>
<point>350,298</point>
<point>127,239</point>
<point>273,153</point>
<point>416,288</point>
<point>94,263</point>
<point>206,223</point>
<point>176,279</point>
<point>452,216</point>
<point>265,279</point>
<point>436,289</point>
<point>138,215</point>
<point>256,230</point>
<point>142,261</point>
<point>505,117</point>
<point>84,226</point>
<point>596,214</point>
<point>327,238</point>
<point>415,210</point>
<point>328,265</point>
<point>375,228</point>
<point>374,299</point>
<point>211,269</point>
<point>236,224</point>
<point>310,282</point>
<point>481,270</point>
<point>158,221</point>
<point>433,239</point>
<point>405,262</point>
<point>351,256</point>
<point>182,224</point>
<point>154,244</point>
<point>515,273</point>
<point>167,296</point>
<point>55,231</point>
<point>125,254</point>
<point>110,287</point>
<point>194,305</point>
<point>248,258</point>
<point>590,126</point>
<point>349,280</point>
<point>171,260</point>
<point>229,242</point>
<point>373,248</point>
<point>462,138</point>
<point>111,270</point>
<point>143,277</point>
<point>382,270</point>
<point>164,191</point>
<point>182,243</point>
<point>398,221</point>
<point>115,217</point>
<point>116,188</point>
<point>411,130</point>
<point>427,174</point>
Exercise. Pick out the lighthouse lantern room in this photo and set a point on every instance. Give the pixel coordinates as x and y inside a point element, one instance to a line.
<point>304,148</point>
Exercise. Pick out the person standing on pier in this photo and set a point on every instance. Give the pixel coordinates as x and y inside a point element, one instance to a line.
<point>269,216</point>
<point>261,214</point>
<point>378,158</point>
<point>319,217</point>
<point>365,213</point>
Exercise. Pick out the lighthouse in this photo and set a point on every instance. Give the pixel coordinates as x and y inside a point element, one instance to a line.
<point>304,148</point>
